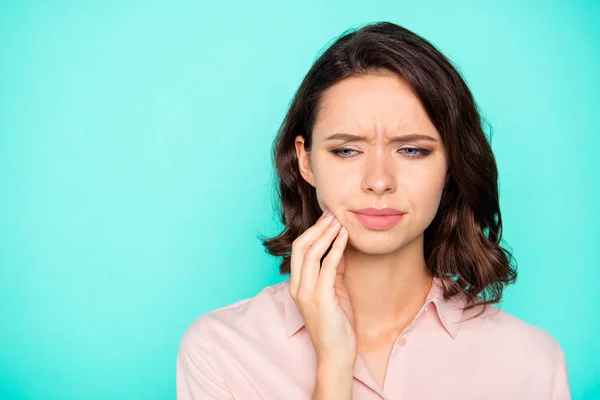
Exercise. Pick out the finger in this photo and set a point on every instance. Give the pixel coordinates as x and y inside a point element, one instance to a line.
<point>329,271</point>
<point>309,274</point>
<point>299,248</point>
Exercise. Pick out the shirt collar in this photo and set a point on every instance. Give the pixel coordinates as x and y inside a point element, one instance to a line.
<point>448,311</point>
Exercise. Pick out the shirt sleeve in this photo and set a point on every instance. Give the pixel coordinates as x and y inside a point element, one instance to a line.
<point>560,390</point>
<point>197,377</point>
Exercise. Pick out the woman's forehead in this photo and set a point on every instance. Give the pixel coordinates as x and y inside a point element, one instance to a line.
<point>375,106</point>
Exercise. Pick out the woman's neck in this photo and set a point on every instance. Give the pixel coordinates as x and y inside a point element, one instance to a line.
<point>386,291</point>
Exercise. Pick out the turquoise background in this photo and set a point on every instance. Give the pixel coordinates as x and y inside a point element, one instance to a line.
<point>135,173</point>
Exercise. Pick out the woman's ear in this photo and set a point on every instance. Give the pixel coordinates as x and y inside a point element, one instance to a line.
<point>304,161</point>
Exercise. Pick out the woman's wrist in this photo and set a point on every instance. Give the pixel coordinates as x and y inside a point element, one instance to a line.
<point>333,382</point>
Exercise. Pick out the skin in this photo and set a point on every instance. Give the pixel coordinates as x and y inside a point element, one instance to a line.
<point>376,279</point>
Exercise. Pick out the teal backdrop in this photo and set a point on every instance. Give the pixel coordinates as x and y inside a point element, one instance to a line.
<point>135,172</point>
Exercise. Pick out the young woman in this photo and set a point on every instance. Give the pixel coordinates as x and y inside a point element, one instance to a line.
<point>391,290</point>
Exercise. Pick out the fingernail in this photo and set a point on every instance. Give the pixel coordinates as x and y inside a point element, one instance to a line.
<point>326,214</point>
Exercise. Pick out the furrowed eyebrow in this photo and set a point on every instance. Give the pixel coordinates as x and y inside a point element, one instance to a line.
<point>395,139</point>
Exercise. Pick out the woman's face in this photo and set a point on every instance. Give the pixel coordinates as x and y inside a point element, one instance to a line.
<point>375,171</point>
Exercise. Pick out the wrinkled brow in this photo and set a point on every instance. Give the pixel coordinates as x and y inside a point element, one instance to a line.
<point>394,139</point>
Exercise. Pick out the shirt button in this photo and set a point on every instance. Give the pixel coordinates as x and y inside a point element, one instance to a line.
<point>401,341</point>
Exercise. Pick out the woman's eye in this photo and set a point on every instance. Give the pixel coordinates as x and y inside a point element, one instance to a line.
<point>339,152</point>
<point>411,152</point>
<point>414,152</point>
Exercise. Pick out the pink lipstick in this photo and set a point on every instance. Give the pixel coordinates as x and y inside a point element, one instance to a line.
<point>378,218</point>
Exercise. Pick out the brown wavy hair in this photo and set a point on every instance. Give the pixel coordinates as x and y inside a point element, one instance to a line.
<point>463,240</point>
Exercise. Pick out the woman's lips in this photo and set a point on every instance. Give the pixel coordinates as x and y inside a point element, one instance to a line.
<point>378,222</point>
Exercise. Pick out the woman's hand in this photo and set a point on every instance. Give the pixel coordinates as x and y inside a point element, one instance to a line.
<point>319,293</point>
